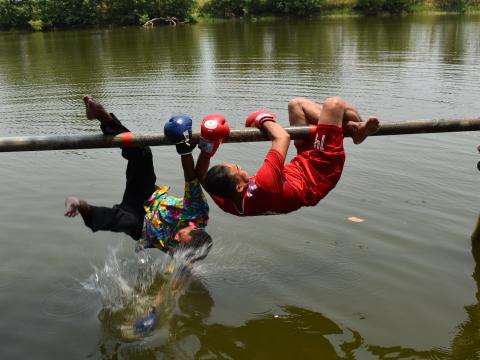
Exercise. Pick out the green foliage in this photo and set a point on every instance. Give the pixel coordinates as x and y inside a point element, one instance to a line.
<point>233,8</point>
<point>121,12</point>
<point>36,25</point>
<point>370,7</point>
<point>143,19</point>
<point>452,5</point>
<point>396,7</point>
<point>42,14</point>
<point>297,7</point>
<point>181,9</point>
<point>61,13</point>
<point>45,14</point>
<point>238,8</point>
<point>14,13</point>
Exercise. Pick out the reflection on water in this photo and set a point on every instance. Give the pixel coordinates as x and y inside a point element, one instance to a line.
<point>466,344</point>
<point>199,63</point>
<point>293,333</point>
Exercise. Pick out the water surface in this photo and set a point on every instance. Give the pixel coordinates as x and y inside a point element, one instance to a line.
<point>310,284</point>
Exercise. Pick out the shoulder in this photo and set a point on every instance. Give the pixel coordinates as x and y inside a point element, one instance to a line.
<point>274,155</point>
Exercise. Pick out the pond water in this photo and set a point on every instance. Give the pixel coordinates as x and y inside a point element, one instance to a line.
<point>309,285</point>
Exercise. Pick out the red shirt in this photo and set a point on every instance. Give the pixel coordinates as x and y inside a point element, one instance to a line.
<point>280,189</point>
<point>269,192</point>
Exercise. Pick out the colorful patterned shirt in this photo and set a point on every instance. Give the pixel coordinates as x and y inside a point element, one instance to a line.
<point>165,215</point>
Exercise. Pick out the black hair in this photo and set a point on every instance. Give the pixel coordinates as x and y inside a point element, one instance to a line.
<point>200,238</point>
<point>197,248</point>
<point>220,182</point>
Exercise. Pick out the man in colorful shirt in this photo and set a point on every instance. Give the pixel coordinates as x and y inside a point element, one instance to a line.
<point>147,212</point>
<point>279,188</point>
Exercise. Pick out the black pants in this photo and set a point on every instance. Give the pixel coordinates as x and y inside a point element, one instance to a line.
<point>126,217</point>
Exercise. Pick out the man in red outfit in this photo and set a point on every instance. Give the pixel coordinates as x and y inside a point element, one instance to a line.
<point>279,188</point>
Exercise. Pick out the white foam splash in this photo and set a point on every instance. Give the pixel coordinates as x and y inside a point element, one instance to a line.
<point>130,287</point>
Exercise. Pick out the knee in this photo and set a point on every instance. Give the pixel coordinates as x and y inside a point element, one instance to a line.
<point>335,104</point>
<point>296,103</point>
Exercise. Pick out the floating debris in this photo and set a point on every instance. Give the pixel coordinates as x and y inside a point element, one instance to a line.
<point>356,219</point>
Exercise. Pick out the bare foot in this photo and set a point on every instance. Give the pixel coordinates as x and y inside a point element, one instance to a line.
<point>74,206</point>
<point>95,110</point>
<point>359,131</point>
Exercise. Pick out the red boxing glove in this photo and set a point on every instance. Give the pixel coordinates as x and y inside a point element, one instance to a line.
<point>257,118</point>
<point>214,129</point>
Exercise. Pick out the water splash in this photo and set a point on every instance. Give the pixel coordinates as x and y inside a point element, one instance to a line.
<point>143,287</point>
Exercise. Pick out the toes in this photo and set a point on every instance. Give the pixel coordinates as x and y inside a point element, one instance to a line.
<point>373,121</point>
<point>372,125</point>
<point>71,213</point>
<point>86,98</point>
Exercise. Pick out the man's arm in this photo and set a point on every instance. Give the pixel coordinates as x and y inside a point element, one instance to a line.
<point>280,138</point>
<point>188,166</point>
<point>201,169</point>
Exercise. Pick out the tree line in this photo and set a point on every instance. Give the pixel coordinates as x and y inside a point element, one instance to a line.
<point>50,14</point>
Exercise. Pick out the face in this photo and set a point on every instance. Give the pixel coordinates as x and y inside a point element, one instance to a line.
<point>183,235</point>
<point>240,175</point>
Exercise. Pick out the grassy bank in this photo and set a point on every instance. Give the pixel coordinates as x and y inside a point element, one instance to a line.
<point>38,15</point>
<point>349,8</point>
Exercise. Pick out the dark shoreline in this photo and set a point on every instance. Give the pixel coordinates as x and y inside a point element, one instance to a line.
<point>335,13</point>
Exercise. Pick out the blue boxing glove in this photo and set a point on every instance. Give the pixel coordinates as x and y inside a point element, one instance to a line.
<point>146,324</point>
<point>179,130</point>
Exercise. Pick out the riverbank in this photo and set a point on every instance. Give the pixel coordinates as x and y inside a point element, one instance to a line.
<point>227,9</point>
<point>41,17</point>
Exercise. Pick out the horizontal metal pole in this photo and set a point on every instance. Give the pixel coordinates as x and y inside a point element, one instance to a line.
<point>55,142</point>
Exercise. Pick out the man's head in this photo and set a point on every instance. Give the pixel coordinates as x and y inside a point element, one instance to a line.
<point>226,180</point>
<point>195,242</point>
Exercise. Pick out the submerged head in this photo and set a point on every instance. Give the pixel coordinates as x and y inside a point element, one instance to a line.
<point>194,242</point>
<point>226,180</point>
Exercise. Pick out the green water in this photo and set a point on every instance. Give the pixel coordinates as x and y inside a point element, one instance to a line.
<point>309,285</point>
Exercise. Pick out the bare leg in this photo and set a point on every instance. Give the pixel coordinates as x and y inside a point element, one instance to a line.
<point>303,111</point>
<point>333,111</point>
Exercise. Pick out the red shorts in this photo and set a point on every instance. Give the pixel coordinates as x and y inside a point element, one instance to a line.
<point>319,164</point>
